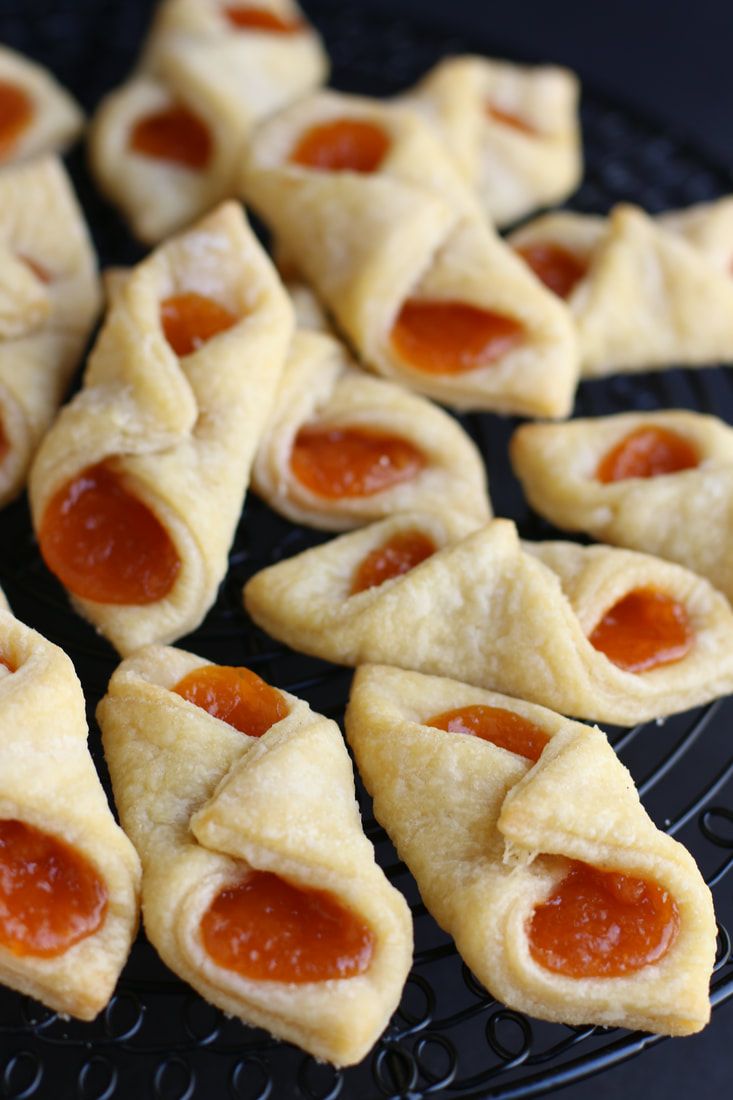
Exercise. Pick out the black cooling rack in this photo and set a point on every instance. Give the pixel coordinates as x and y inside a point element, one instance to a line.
<point>449,1038</point>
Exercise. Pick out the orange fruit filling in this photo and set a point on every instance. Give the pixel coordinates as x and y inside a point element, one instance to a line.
<point>647,452</point>
<point>452,338</point>
<point>557,268</point>
<point>352,462</point>
<point>189,320</point>
<point>646,629</point>
<point>245,17</point>
<point>502,727</point>
<point>236,696</point>
<point>16,114</point>
<point>508,118</point>
<point>173,134</point>
<point>342,145</point>
<point>398,555</point>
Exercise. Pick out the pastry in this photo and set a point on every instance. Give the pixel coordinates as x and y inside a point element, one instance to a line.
<point>708,226</point>
<point>642,297</point>
<point>372,211</point>
<point>37,115</point>
<point>69,877</point>
<point>660,482</point>
<point>167,145</point>
<point>512,129</point>
<point>343,448</point>
<point>137,489</point>
<point>49,300</point>
<point>259,886</point>
<point>530,847</point>
<point>593,632</point>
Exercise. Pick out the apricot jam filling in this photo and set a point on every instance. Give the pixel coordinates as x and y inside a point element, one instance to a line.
<point>398,555</point>
<point>647,452</point>
<point>245,17</point>
<point>236,696</point>
<point>189,320</point>
<point>267,929</point>
<point>4,441</point>
<point>50,896</point>
<point>104,544</point>
<point>173,134</point>
<point>342,145</point>
<point>601,924</point>
<point>16,115</point>
<point>451,338</point>
<point>508,118</point>
<point>646,629</point>
<point>502,727</point>
<point>553,265</point>
<point>352,462</point>
<point>41,273</point>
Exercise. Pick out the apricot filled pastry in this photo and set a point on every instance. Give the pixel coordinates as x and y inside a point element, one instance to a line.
<point>343,448</point>
<point>37,115</point>
<point>137,489</point>
<point>370,208</point>
<point>167,145</point>
<point>69,877</point>
<point>530,847</point>
<point>594,632</point>
<point>512,129</point>
<point>49,300</point>
<point>259,886</point>
<point>642,296</point>
<point>660,482</point>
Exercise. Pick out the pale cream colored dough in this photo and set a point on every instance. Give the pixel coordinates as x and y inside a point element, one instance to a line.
<point>56,121</point>
<point>487,836</point>
<point>204,803</point>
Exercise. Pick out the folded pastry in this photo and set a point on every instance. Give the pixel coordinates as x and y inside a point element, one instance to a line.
<point>660,482</point>
<point>259,886</point>
<point>594,632</point>
<point>49,300</point>
<point>137,489</point>
<point>343,448</point>
<point>37,115</point>
<point>708,226</point>
<point>372,211</point>
<point>69,877</point>
<point>167,145</point>
<point>513,130</point>
<point>530,847</point>
<point>642,296</point>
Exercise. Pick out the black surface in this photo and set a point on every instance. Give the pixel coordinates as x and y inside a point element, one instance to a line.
<point>449,1039</point>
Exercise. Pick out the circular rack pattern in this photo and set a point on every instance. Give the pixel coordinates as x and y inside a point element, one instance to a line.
<point>449,1038</point>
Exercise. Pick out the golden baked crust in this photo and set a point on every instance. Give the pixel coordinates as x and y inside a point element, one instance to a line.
<point>57,119</point>
<point>182,431</point>
<point>201,800</point>
<point>46,318</point>
<point>513,166</point>
<point>500,614</point>
<point>48,781</point>
<point>487,836</point>
<point>412,228</point>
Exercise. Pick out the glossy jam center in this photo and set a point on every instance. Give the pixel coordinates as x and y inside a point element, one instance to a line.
<point>644,630</point>
<point>173,134</point>
<point>502,727</point>
<point>508,118</point>
<point>451,338</point>
<point>50,896</point>
<point>600,924</point>
<point>104,544</point>
<point>342,145</point>
<point>557,268</point>
<point>647,452</point>
<point>236,696</point>
<point>16,115</point>
<point>266,929</point>
<point>260,19</point>
<point>352,462</point>
<point>398,555</point>
<point>190,319</point>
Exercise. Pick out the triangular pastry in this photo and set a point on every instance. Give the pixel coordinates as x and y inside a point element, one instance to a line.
<point>137,489</point>
<point>69,877</point>
<point>642,297</point>
<point>37,115</point>
<point>563,897</point>
<point>708,227</point>
<point>343,448</point>
<point>49,300</point>
<point>513,130</point>
<point>375,215</point>
<point>167,145</point>
<point>246,808</point>
<point>659,482</point>
<point>593,632</point>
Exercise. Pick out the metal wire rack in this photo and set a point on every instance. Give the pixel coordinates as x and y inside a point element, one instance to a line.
<point>449,1038</point>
